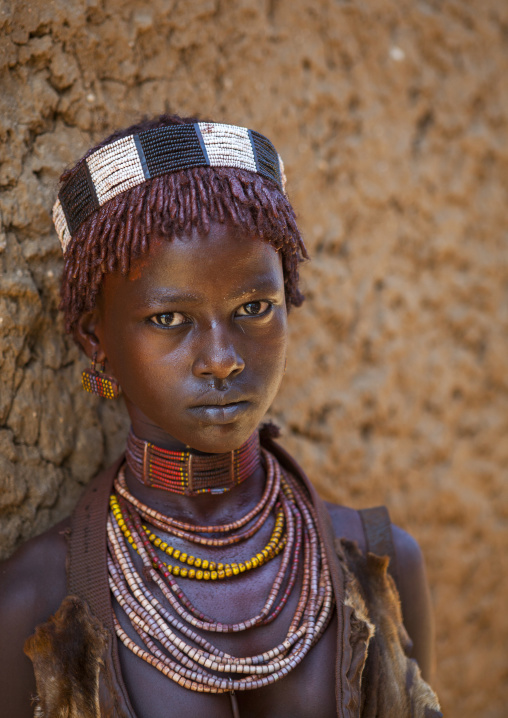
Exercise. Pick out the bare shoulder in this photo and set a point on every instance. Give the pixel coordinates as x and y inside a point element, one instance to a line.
<point>415,598</point>
<point>409,554</point>
<point>346,523</point>
<point>412,581</point>
<point>34,577</point>
<point>32,586</point>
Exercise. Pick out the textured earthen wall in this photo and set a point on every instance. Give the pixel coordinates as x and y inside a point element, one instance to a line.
<point>391,116</point>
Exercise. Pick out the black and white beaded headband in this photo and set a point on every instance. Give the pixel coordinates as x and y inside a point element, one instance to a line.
<point>131,160</point>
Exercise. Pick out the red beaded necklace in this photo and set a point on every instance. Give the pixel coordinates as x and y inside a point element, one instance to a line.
<point>183,472</point>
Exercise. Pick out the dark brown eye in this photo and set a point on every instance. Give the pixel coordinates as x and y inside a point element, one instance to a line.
<point>252,309</point>
<point>168,319</point>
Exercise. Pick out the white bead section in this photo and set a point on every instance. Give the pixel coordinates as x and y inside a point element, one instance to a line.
<point>61,227</point>
<point>283,177</point>
<point>228,146</point>
<point>115,168</point>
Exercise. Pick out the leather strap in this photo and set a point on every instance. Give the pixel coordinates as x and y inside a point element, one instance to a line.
<point>87,570</point>
<point>378,535</point>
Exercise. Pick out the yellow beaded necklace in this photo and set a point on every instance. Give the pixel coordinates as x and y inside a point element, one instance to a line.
<point>206,570</point>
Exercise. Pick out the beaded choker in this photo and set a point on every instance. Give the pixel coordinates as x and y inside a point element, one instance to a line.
<point>182,472</point>
<point>129,161</point>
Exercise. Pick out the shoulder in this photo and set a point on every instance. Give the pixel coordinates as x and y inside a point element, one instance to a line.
<point>408,551</point>
<point>411,580</point>
<point>348,524</point>
<point>34,577</point>
<point>415,599</point>
<point>33,580</point>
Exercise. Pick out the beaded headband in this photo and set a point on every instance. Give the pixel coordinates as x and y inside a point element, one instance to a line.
<point>129,161</point>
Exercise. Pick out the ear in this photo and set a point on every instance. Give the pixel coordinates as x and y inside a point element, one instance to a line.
<point>85,334</point>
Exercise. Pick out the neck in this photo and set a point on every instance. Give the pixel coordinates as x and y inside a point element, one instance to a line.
<point>188,473</point>
<point>191,484</point>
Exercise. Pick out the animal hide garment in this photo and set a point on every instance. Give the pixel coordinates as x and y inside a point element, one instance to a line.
<point>74,675</point>
<point>389,684</point>
<point>69,654</point>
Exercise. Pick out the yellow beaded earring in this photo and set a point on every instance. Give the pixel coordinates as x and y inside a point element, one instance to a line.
<point>96,382</point>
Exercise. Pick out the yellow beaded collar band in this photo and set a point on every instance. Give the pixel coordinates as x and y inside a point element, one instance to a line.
<point>132,160</point>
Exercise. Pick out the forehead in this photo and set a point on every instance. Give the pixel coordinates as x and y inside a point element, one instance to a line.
<point>227,260</point>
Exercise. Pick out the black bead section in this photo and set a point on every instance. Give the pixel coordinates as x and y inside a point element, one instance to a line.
<point>168,149</point>
<point>141,156</point>
<point>78,197</point>
<point>267,160</point>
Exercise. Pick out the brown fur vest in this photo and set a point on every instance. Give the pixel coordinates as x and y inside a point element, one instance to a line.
<point>70,653</point>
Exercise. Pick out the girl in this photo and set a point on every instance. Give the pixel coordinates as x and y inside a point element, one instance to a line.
<point>201,574</point>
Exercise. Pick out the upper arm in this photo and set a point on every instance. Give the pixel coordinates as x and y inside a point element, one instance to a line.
<point>415,599</point>
<point>412,582</point>
<point>17,681</point>
<point>32,585</point>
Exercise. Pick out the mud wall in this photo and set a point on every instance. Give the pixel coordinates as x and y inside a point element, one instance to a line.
<point>392,120</point>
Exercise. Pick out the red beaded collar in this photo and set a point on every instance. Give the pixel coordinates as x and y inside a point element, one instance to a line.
<point>183,472</point>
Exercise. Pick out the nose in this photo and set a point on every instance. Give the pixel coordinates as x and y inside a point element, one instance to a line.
<point>217,356</point>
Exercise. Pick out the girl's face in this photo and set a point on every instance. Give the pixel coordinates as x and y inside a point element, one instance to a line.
<point>196,335</point>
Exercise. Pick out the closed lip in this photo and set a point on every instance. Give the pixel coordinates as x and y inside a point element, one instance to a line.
<point>219,414</point>
<point>219,399</point>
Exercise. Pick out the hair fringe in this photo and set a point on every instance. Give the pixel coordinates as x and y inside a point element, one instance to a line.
<point>120,231</point>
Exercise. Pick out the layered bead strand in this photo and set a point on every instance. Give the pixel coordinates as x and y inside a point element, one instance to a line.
<point>204,569</point>
<point>170,639</point>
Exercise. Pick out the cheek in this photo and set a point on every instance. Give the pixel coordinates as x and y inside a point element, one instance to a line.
<point>272,356</point>
<point>135,359</point>
<point>149,362</point>
<point>151,380</point>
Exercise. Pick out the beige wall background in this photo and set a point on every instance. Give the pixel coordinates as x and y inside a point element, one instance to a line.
<point>391,116</point>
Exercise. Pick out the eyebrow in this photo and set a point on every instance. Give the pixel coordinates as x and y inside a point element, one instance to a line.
<point>266,284</point>
<point>177,296</point>
<point>170,296</point>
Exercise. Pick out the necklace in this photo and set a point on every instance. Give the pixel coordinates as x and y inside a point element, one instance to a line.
<point>170,637</point>
<point>204,569</point>
<point>191,474</point>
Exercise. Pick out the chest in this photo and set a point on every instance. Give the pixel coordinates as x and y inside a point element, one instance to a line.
<point>307,690</point>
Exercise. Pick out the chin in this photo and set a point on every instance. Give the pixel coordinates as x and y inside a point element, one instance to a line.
<point>221,439</point>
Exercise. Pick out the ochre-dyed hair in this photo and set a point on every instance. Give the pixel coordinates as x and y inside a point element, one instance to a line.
<point>121,229</point>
